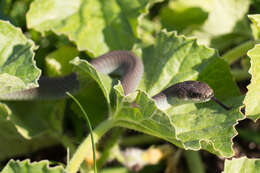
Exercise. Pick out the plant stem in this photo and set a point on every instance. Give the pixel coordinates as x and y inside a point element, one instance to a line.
<point>235,53</point>
<point>90,129</point>
<point>66,141</point>
<point>194,161</point>
<point>240,74</point>
<point>85,146</point>
<point>116,169</point>
<point>113,140</point>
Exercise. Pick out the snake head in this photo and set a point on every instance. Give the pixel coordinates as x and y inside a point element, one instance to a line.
<point>192,91</point>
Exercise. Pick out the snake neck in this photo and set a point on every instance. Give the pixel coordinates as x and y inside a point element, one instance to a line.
<point>161,101</point>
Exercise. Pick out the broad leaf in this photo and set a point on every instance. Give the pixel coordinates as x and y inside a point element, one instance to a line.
<point>27,130</point>
<point>144,116</point>
<point>191,126</point>
<point>18,11</point>
<point>31,167</point>
<point>23,130</point>
<point>223,16</point>
<point>207,126</point>
<point>252,99</point>
<point>242,165</point>
<point>16,60</point>
<point>174,59</point>
<point>255,19</point>
<point>48,115</point>
<point>86,69</point>
<point>12,136</point>
<point>57,62</point>
<point>95,25</point>
<point>148,29</point>
<point>255,26</point>
<point>180,17</point>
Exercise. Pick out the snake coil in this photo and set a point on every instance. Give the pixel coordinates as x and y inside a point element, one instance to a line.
<point>54,88</point>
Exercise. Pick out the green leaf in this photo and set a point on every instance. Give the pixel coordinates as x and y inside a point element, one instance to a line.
<point>23,130</point>
<point>207,126</point>
<point>242,165</point>
<point>31,167</point>
<point>173,59</point>
<point>95,104</point>
<point>87,70</point>
<point>18,12</point>
<point>93,99</point>
<point>199,126</point>
<point>252,99</point>
<point>16,60</point>
<point>255,19</point>
<point>144,117</point>
<point>57,61</point>
<point>177,16</point>
<point>255,26</point>
<point>115,170</point>
<point>48,115</point>
<point>96,26</point>
<point>13,143</point>
<point>223,16</point>
<point>148,29</point>
<point>27,130</point>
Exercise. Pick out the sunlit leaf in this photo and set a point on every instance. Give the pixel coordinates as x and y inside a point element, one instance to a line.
<point>252,99</point>
<point>57,62</point>
<point>16,60</point>
<point>170,60</point>
<point>25,126</point>
<point>96,26</point>
<point>86,69</point>
<point>31,167</point>
<point>223,17</point>
<point>242,165</point>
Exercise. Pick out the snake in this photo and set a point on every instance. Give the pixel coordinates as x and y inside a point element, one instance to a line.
<point>133,69</point>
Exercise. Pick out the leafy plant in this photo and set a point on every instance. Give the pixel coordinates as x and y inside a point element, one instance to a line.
<point>73,32</point>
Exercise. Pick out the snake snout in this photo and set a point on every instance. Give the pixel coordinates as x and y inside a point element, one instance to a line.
<point>205,92</point>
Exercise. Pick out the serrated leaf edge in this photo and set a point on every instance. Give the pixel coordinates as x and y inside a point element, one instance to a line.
<point>27,161</point>
<point>33,47</point>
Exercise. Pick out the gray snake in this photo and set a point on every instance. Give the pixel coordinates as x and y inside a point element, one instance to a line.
<point>54,88</point>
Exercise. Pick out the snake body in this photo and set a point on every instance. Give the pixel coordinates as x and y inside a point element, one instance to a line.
<point>54,88</point>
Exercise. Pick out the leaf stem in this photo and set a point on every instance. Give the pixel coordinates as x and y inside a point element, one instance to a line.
<point>85,146</point>
<point>240,74</point>
<point>113,141</point>
<point>66,142</point>
<point>90,129</point>
<point>194,161</point>
<point>235,53</point>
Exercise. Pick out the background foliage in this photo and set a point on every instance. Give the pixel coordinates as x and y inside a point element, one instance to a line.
<point>204,40</point>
